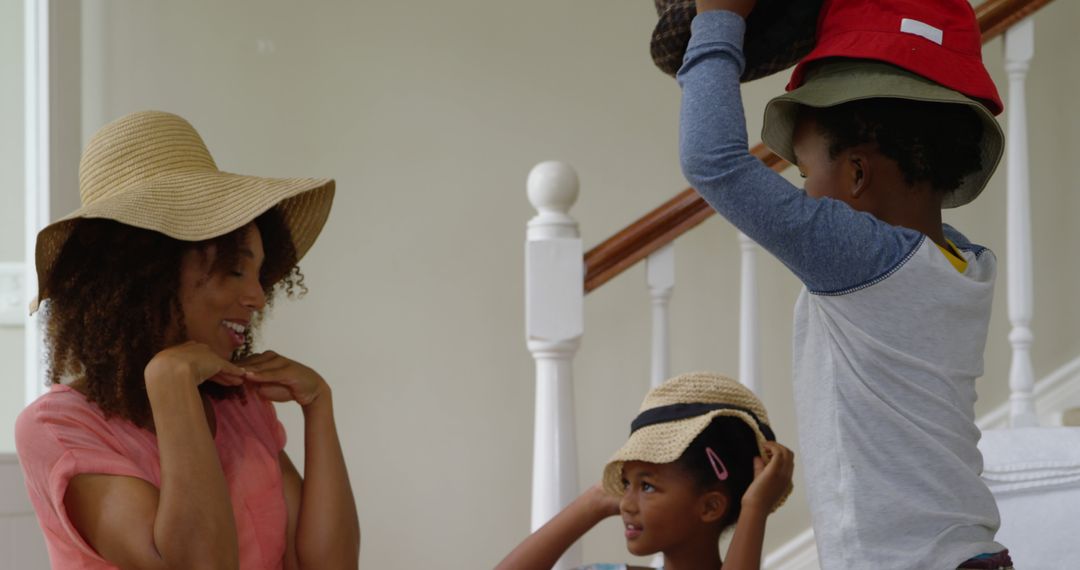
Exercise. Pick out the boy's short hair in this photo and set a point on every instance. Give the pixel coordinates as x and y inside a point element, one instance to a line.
<point>936,143</point>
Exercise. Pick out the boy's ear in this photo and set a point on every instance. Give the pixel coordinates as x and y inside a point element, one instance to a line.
<point>859,172</point>
<point>713,506</point>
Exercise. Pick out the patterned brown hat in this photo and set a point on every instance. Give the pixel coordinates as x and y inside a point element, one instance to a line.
<point>778,34</point>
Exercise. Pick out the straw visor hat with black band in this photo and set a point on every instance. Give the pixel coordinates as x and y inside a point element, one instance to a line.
<point>676,412</point>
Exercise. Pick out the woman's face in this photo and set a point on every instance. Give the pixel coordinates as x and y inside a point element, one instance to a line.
<point>218,307</point>
<point>660,507</point>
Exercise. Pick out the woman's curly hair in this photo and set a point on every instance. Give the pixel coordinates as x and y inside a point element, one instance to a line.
<point>937,143</point>
<point>114,303</point>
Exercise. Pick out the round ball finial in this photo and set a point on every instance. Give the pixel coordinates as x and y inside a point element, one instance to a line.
<point>552,186</point>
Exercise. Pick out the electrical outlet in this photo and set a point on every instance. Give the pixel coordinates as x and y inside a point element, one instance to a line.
<point>13,307</point>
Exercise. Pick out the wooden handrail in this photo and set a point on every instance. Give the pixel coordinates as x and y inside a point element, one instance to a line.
<point>997,16</point>
<point>687,209</point>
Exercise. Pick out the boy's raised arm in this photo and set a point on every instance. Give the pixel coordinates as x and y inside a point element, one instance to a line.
<point>828,245</point>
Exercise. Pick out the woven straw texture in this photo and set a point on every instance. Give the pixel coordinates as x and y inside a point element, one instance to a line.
<point>778,34</point>
<point>152,170</point>
<point>665,442</point>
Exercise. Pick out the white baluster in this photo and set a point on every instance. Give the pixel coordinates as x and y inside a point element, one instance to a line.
<point>660,275</point>
<point>1019,49</point>
<point>748,316</point>
<point>554,323</point>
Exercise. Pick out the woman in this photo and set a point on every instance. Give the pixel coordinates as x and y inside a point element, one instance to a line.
<point>157,445</point>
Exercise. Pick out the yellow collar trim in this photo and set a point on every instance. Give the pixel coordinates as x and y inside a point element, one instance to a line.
<point>952,253</point>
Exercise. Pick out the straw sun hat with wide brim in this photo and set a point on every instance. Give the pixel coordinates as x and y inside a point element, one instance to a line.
<point>152,170</point>
<point>778,34</point>
<point>834,81</point>
<point>676,412</point>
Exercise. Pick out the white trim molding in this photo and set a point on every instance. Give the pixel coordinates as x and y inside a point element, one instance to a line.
<point>37,168</point>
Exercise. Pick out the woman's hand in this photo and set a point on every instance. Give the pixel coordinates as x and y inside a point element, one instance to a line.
<point>740,7</point>
<point>772,477</point>
<point>279,379</point>
<point>196,361</point>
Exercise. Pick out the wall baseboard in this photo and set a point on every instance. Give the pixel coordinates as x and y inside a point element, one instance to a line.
<point>1054,395</point>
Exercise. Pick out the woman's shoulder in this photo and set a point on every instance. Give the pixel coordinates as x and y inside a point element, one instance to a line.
<point>60,404</point>
<point>65,416</point>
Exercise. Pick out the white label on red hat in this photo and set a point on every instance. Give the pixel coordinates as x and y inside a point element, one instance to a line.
<point>915,27</point>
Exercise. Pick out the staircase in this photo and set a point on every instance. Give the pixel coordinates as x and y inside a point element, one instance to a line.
<point>557,282</point>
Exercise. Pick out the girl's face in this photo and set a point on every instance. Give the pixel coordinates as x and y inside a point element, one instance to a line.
<point>662,508</point>
<point>218,306</point>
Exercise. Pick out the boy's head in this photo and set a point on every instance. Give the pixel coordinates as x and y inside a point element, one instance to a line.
<point>834,147</point>
<point>933,137</point>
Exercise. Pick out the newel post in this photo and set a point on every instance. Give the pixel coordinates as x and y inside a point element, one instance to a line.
<point>554,323</point>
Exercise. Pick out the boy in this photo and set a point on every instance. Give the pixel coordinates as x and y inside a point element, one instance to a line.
<point>891,326</point>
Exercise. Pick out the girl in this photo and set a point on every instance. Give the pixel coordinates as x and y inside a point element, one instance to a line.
<point>157,445</point>
<point>700,458</point>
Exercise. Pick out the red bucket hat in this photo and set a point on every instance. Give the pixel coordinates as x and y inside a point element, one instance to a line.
<point>937,39</point>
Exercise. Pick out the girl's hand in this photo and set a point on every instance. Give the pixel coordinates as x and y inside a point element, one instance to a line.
<point>197,361</point>
<point>601,502</point>
<point>772,477</point>
<point>740,7</point>
<point>279,379</point>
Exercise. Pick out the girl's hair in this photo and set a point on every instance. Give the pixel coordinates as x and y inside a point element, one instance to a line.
<point>937,143</point>
<point>736,445</point>
<point>113,298</point>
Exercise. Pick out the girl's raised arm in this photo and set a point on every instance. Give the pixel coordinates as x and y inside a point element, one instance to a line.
<point>542,549</point>
<point>772,477</point>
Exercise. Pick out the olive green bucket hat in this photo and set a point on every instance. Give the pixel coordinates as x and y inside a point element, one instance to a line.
<point>841,80</point>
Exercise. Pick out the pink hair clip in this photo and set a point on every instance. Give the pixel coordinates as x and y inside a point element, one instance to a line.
<point>717,465</point>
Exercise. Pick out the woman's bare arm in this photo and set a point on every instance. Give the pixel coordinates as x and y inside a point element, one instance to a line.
<point>131,523</point>
<point>324,531</point>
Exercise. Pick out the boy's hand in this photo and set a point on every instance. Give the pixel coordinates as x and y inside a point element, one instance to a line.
<point>740,7</point>
<point>772,477</point>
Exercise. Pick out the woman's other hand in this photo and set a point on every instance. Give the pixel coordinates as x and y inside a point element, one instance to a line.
<point>280,379</point>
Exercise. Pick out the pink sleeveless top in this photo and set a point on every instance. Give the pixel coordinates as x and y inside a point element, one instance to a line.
<point>62,435</point>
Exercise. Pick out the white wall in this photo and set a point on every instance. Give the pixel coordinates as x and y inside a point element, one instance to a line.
<point>22,545</point>
<point>430,114</point>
